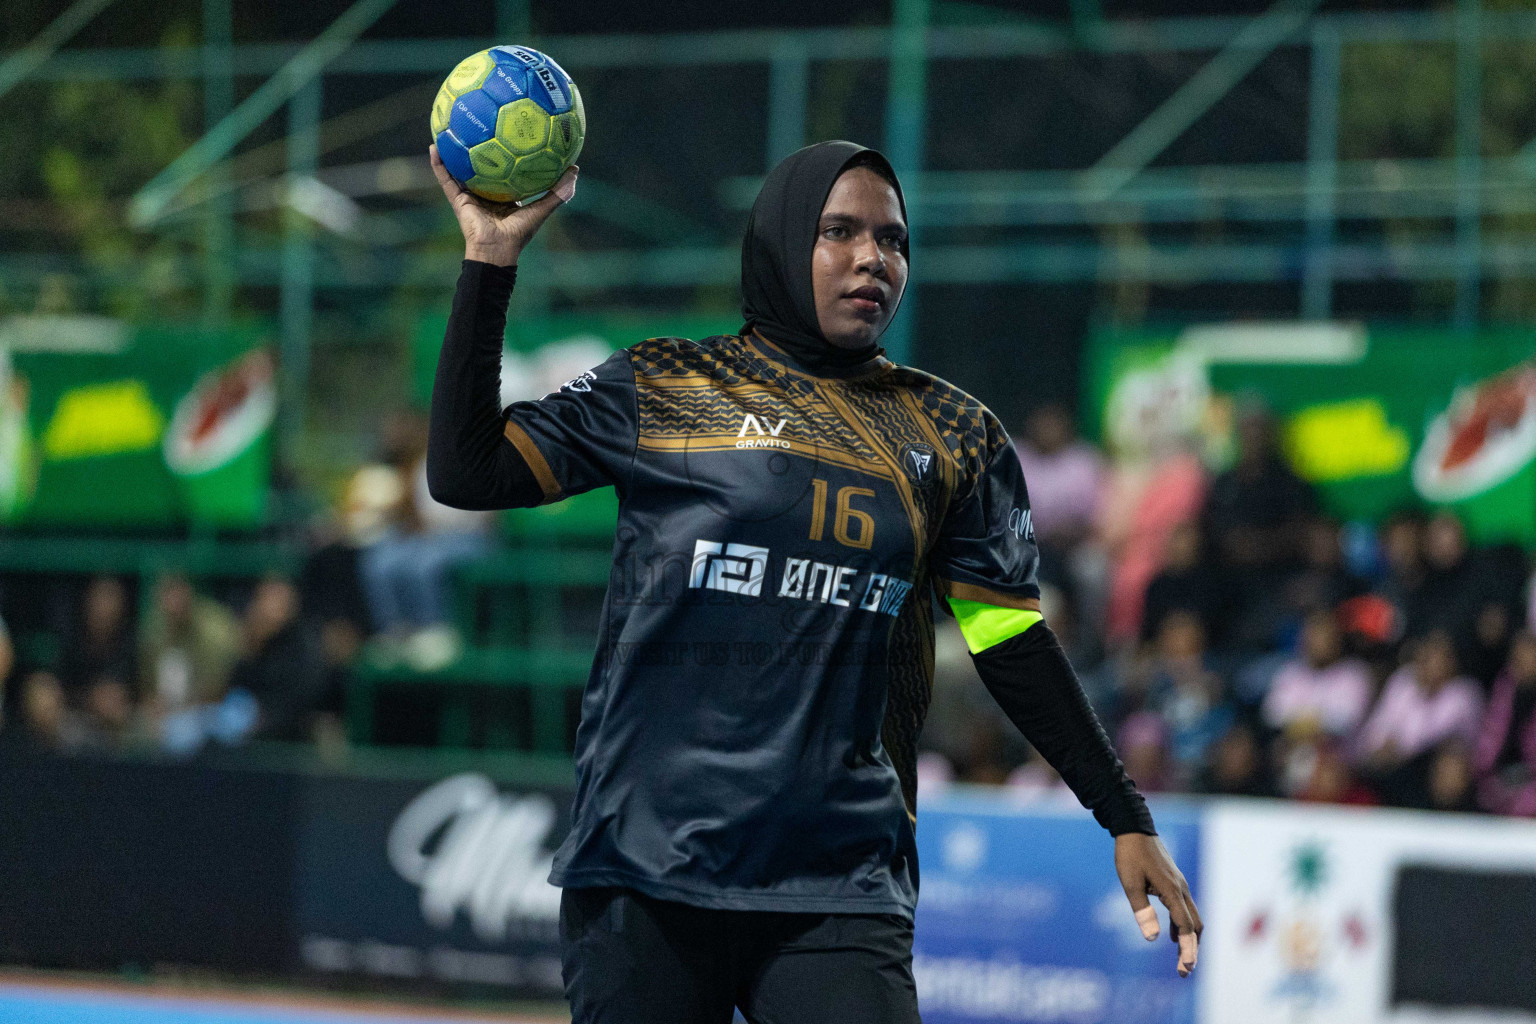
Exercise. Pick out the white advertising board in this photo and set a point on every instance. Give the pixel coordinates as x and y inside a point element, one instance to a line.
<point>1298,908</point>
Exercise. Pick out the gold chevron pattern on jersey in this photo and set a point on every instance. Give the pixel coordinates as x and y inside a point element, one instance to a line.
<point>700,391</point>
<point>910,682</point>
<point>969,430</point>
<point>895,419</point>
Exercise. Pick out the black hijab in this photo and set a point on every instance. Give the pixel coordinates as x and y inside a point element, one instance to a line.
<point>777,297</point>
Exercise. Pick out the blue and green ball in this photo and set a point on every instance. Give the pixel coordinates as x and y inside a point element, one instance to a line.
<point>508,122</point>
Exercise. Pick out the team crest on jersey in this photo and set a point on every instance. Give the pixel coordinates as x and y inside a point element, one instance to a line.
<point>580,383</point>
<point>920,463</point>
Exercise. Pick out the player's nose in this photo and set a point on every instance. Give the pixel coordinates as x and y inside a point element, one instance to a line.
<point>868,257</point>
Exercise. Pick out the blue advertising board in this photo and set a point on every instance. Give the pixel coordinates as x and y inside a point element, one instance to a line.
<point>1021,916</point>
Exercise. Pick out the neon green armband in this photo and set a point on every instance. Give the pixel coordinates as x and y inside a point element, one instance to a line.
<point>987,625</point>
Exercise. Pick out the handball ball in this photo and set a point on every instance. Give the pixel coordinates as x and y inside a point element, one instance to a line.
<point>508,122</point>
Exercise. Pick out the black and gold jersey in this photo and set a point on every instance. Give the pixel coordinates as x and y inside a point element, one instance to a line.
<point>765,662</point>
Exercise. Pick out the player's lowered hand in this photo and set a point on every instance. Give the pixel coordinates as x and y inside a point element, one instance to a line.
<point>497,232</point>
<point>1144,867</point>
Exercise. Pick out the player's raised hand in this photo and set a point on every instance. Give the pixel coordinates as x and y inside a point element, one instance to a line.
<point>497,232</point>
<point>1144,866</point>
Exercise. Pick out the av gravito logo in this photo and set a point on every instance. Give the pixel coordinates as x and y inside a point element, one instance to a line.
<point>733,568</point>
<point>471,848</point>
<point>765,436</point>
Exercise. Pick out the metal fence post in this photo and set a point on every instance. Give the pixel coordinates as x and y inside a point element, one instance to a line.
<point>906,101</point>
<point>788,88</point>
<point>1322,172</point>
<point>1469,164</point>
<point>219,213</point>
<point>297,288</point>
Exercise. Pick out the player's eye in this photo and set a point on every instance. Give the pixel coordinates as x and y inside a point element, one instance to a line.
<point>893,239</point>
<point>836,231</point>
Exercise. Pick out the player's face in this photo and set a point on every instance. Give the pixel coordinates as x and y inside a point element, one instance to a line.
<point>857,269</point>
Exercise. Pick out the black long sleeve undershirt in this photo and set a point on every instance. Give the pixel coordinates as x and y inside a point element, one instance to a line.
<point>1032,681</point>
<point>470,462</point>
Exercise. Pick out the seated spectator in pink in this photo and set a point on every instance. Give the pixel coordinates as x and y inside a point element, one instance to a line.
<point>1506,750</point>
<point>1424,704</point>
<point>1143,503</point>
<point>1322,691</point>
<point>1064,473</point>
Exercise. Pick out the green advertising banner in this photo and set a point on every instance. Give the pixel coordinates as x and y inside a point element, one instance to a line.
<point>542,353</point>
<point>1377,420</point>
<point>133,426</point>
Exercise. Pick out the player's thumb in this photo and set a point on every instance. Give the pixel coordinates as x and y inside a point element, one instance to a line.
<point>563,191</point>
<point>1146,917</point>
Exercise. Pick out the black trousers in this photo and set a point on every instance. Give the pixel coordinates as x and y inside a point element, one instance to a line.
<point>631,959</point>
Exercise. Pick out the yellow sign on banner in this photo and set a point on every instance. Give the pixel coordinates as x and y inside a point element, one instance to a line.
<point>103,419</point>
<point>1345,441</point>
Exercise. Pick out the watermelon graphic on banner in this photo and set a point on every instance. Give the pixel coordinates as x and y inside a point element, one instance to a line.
<point>1486,436</point>
<point>222,416</point>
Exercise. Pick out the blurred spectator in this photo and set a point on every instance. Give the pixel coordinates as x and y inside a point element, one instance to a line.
<point>983,758</point>
<point>934,774</point>
<point>405,572</point>
<point>1322,692</point>
<point>1506,749</point>
<point>1082,646</point>
<point>1256,510</point>
<point>1189,582</point>
<point>46,719</point>
<point>188,645</point>
<point>1064,474</point>
<point>1450,779</point>
<point>1236,766</point>
<point>1326,778</point>
<point>1142,743</point>
<point>282,667</point>
<point>1036,778</point>
<point>1425,704</point>
<point>1143,503</point>
<point>7,662</point>
<point>1475,596</point>
<point>97,665</point>
<point>1402,544</point>
<point>1188,697</point>
<point>1322,580</point>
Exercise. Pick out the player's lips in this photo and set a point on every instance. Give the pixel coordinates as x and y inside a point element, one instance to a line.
<point>866,300</point>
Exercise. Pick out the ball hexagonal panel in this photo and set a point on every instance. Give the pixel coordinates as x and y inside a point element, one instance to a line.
<point>491,161</point>
<point>473,118</point>
<point>455,157</point>
<point>497,191</point>
<point>535,172</point>
<point>523,127</point>
<point>507,82</point>
<point>471,73</point>
<point>442,106</point>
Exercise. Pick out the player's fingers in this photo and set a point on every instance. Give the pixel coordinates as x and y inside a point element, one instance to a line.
<point>1190,919</point>
<point>1182,928</point>
<point>560,194</point>
<point>1146,917</point>
<point>450,188</point>
<point>1189,952</point>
